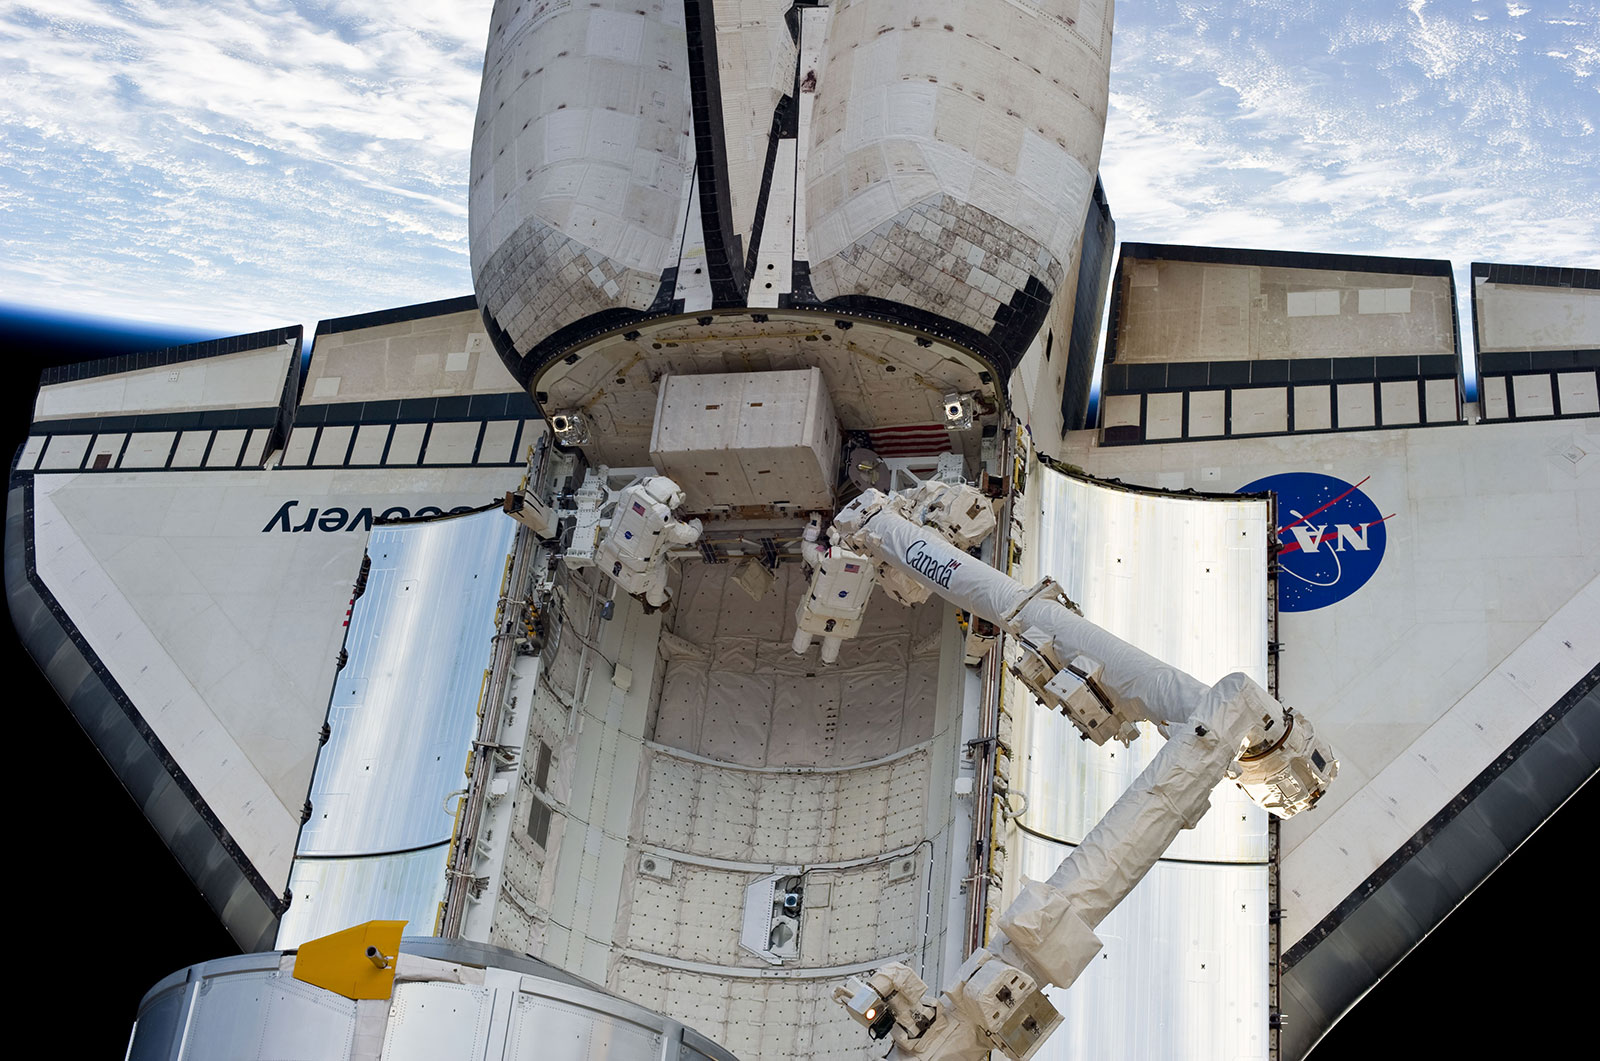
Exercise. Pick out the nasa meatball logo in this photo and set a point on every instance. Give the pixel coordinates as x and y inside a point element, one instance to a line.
<point>1331,538</point>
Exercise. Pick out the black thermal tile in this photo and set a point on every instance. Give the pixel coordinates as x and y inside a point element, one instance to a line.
<point>1146,377</point>
<point>1229,373</point>
<point>1348,368</point>
<point>1396,367</point>
<point>1554,360</point>
<point>1270,371</point>
<point>1188,374</point>
<point>454,407</point>
<point>380,412</point>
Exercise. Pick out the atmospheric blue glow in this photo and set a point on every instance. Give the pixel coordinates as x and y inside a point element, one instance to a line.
<point>53,334</point>
<point>242,165</point>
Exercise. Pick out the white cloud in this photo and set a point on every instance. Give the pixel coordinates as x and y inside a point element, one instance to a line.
<point>234,164</point>
<point>243,163</point>
<point>1414,132</point>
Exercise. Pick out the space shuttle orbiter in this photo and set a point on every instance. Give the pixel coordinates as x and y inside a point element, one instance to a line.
<point>348,631</point>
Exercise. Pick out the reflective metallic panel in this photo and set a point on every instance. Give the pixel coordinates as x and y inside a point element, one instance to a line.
<point>1184,968</point>
<point>1175,979</point>
<point>1182,578</point>
<point>405,704</point>
<point>334,893</point>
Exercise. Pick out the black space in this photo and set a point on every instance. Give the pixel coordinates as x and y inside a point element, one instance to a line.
<point>104,902</point>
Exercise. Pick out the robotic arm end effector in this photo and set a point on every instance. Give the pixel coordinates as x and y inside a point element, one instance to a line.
<point>1289,770</point>
<point>992,1006</point>
<point>894,1000</point>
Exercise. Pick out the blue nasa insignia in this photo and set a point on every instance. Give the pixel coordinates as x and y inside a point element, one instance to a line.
<point>1331,535</point>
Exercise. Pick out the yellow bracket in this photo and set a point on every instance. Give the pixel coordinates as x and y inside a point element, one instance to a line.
<point>356,963</point>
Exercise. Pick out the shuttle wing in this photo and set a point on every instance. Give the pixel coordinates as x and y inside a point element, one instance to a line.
<point>183,531</point>
<point>1439,587</point>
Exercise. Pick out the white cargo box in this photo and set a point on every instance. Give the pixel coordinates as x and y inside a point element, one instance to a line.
<point>747,438</point>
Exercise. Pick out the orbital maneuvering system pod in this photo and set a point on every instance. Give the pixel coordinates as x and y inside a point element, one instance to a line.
<point>1233,729</point>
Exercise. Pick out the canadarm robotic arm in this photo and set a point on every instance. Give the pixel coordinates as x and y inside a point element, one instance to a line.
<point>1231,729</point>
<point>1102,683</point>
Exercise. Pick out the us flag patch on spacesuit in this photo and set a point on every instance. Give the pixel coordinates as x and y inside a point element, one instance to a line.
<point>638,508</point>
<point>851,569</point>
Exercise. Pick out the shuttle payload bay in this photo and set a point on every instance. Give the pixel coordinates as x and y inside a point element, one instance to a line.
<point>705,618</point>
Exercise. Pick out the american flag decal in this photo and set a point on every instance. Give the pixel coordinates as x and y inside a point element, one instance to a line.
<point>638,508</point>
<point>912,440</point>
<point>851,569</point>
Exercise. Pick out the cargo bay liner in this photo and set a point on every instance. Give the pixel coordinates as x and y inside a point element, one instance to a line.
<point>277,602</point>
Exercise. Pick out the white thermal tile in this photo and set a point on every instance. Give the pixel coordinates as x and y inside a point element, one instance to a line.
<point>1399,402</point>
<point>191,449</point>
<point>1384,300</point>
<point>1260,410</point>
<point>1164,416</point>
<point>499,436</point>
<point>30,452</point>
<point>178,620</point>
<point>333,446</point>
<point>1578,394</point>
<point>148,449</point>
<point>1207,413</point>
<point>1495,405</point>
<point>64,452</point>
<point>1120,410</point>
<point>1355,405</point>
<point>1313,407</point>
<point>405,446</point>
<point>370,440</point>
<point>1531,395</point>
<point>225,448</point>
<point>452,443</point>
<point>531,430</point>
<point>1313,303</point>
<point>297,454</point>
<point>775,262</point>
<point>1440,396</point>
<point>255,450</point>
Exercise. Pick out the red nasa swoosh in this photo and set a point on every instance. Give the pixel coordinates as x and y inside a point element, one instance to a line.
<point>1313,513</point>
